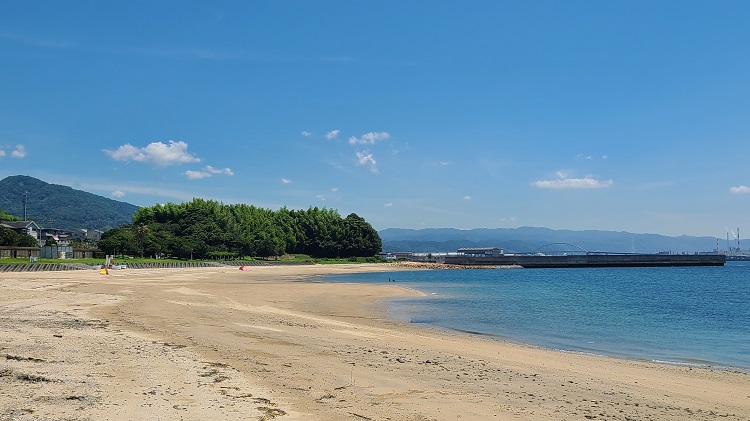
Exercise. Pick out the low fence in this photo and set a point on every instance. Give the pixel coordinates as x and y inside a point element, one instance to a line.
<point>40,267</point>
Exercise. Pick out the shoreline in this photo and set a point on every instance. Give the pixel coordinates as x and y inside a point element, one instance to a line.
<point>642,357</point>
<point>270,344</point>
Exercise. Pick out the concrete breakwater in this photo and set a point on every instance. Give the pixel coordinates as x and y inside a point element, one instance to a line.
<point>591,260</point>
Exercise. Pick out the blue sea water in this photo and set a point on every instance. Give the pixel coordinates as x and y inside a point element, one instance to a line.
<point>684,315</point>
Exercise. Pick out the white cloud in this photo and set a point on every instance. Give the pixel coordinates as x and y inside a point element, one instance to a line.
<point>159,153</point>
<point>366,158</point>
<point>286,181</point>
<point>212,170</point>
<point>739,190</point>
<point>335,189</point>
<point>441,163</point>
<point>388,205</point>
<point>2,152</point>
<point>369,138</point>
<point>467,197</point>
<point>320,197</point>
<point>305,133</point>
<point>572,183</point>
<point>207,171</point>
<point>118,193</point>
<point>19,152</point>
<point>196,175</point>
<point>332,134</point>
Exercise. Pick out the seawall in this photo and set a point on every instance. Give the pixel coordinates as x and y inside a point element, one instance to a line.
<point>592,260</point>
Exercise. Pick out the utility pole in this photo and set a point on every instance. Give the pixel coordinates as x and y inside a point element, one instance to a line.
<point>25,197</point>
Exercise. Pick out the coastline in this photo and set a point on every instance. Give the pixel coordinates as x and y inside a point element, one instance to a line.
<point>270,343</point>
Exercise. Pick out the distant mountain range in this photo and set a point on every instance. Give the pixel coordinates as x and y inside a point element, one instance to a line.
<point>530,239</point>
<point>56,206</point>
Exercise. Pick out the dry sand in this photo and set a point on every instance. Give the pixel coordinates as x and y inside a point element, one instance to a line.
<point>223,344</point>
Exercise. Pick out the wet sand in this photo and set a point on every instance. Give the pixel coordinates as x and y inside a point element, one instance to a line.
<point>269,343</point>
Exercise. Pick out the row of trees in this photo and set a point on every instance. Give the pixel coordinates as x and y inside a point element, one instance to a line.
<point>206,229</point>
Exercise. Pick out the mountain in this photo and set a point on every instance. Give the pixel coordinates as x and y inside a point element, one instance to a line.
<point>56,206</point>
<point>529,239</point>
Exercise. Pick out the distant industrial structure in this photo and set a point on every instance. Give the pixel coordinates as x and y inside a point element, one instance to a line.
<point>559,255</point>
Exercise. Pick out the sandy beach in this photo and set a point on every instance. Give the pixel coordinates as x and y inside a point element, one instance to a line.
<point>274,343</point>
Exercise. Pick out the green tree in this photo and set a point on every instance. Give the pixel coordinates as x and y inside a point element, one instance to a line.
<point>203,228</point>
<point>139,233</point>
<point>8,237</point>
<point>118,240</point>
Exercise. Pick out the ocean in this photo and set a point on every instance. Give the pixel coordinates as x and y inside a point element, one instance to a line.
<point>698,316</point>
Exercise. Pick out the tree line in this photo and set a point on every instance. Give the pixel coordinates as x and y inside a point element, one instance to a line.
<point>205,229</point>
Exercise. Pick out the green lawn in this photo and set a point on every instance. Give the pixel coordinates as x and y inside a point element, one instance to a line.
<point>294,258</point>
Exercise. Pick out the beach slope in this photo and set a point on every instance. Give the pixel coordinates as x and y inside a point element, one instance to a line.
<point>272,343</point>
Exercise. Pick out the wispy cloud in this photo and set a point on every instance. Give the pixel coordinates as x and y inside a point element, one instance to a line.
<point>320,197</point>
<point>195,53</point>
<point>118,193</point>
<point>332,134</point>
<point>286,181</point>
<point>467,197</point>
<point>207,171</point>
<point>369,138</point>
<point>564,183</point>
<point>589,157</point>
<point>388,205</point>
<point>37,41</point>
<point>158,153</point>
<point>441,163</point>
<point>739,190</point>
<point>225,171</point>
<point>334,189</point>
<point>151,189</point>
<point>305,133</point>
<point>19,152</point>
<point>196,175</point>
<point>367,159</point>
<point>2,153</point>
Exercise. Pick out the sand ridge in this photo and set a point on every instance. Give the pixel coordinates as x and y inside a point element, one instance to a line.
<point>272,343</point>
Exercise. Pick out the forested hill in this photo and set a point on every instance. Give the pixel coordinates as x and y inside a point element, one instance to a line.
<point>530,239</point>
<point>4,216</point>
<point>208,229</point>
<point>56,206</point>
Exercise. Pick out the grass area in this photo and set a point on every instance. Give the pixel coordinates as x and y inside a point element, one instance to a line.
<point>287,258</point>
<point>349,260</point>
<point>84,261</point>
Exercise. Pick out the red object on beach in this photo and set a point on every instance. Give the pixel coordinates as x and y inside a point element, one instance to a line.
<point>243,267</point>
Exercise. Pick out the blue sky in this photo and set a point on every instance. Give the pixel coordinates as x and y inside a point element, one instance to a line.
<point>616,115</point>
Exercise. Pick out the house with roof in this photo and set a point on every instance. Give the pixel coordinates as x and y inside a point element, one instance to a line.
<point>23,227</point>
<point>60,236</point>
